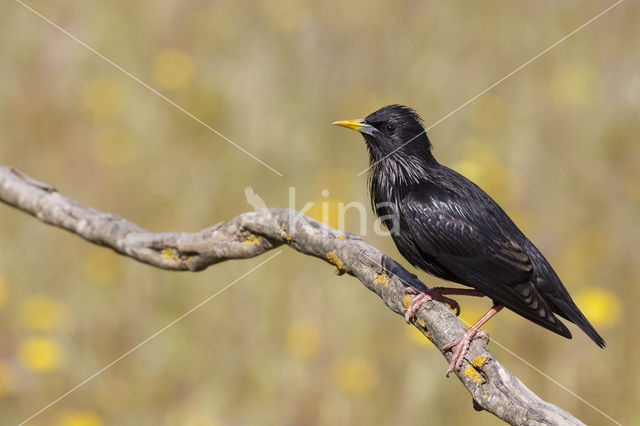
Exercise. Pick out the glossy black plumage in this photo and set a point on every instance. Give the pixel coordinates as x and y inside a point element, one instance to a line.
<point>446,225</point>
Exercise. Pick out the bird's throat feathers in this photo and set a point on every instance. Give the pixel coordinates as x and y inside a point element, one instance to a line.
<point>393,176</point>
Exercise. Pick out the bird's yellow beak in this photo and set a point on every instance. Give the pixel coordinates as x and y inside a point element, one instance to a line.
<point>357,125</point>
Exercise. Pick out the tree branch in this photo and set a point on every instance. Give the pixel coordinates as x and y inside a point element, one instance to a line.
<point>492,386</point>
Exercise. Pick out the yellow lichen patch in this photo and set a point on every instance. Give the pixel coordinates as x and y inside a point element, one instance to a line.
<point>252,240</point>
<point>341,237</point>
<point>422,323</point>
<point>382,278</point>
<point>41,313</point>
<point>405,301</point>
<point>355,376</point>
<point>479,360</point>
<point>303,338</point>
<point>78,418</point>
<point>334,259</point>
<point>41,354</point>
<point>288,238</point>
<point>471,373</point>
<point>170,253</point>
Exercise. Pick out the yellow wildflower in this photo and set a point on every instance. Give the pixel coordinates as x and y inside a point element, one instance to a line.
<point>173,69</point>
<point>355,376</point>
<point>41,313</point>
<point>41,354</point>
<point>78,418</point>
<point>101,265</point>
<point>102,97</point>
<point>303,338</point>
<point>114,146</point>
<point>600,306</point>
<point>3,292</point>
<point>7,379</point>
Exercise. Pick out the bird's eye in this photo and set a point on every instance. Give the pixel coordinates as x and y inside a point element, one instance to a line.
<point>389,128</point>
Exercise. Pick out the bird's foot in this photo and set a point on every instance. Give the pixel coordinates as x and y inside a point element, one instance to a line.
<point>423,296</point>
<point>461,346</point>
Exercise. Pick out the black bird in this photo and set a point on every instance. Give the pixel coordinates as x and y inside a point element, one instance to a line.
<point>446,225</point>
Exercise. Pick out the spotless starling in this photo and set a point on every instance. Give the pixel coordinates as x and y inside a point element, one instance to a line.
<point>446,225</point>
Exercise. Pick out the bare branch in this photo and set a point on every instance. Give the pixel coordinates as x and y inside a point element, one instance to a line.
<point>492,386</point>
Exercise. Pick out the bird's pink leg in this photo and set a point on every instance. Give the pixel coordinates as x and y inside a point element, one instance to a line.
<point>462,344</point>
<point>436,293</point>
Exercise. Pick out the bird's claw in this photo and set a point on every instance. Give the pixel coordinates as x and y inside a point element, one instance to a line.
<point>423,296</point>
<point>461,346</point>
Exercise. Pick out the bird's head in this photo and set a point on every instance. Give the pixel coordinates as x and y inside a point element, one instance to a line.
<point>392,131</point>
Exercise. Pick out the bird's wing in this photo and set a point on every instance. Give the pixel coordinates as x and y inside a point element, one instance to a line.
<point>478,247</point>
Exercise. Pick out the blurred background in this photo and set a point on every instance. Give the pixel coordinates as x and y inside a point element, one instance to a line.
<point>556,145</point>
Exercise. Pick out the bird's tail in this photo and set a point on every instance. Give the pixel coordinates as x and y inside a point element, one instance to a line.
<point>568,310</point>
